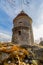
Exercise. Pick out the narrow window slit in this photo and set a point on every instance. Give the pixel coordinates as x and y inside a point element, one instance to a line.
<point>19,32</point>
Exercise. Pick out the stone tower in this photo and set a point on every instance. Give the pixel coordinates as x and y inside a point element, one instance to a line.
<point>22,29</point>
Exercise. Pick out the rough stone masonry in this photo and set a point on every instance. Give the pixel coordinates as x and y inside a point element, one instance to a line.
<point>22,29</point>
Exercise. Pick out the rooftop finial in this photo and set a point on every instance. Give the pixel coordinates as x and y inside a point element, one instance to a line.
<point>22,11</point>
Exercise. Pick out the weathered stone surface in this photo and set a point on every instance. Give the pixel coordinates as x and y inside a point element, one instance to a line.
<point>38,52</point>
<point>22,30</point>
<point>3,56</point>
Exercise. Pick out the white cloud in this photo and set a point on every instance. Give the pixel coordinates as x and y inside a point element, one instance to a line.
<point>38,32</point>
<point>5,37</point>
<point>38,23</point>
<point>40,14</point>
<point>10,8</point>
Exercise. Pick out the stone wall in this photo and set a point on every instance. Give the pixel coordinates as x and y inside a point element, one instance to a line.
<point>22,30</point>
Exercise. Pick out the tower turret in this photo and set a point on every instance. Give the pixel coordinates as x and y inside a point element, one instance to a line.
<point>22,29</point>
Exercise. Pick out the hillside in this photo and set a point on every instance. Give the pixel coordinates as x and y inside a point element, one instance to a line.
<point>11,54</point>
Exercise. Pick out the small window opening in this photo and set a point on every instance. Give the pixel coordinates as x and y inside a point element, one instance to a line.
<point>20,22</point>
<point>19,32</point>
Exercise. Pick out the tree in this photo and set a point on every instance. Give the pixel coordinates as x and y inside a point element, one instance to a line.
<point>41,43</point>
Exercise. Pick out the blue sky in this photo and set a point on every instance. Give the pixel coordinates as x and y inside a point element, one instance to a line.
<point>9,10</point>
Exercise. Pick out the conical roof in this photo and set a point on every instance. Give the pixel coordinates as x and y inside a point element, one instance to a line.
<point>22,13</point>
